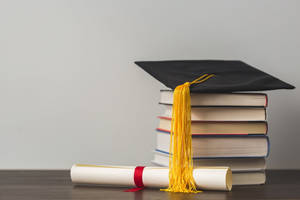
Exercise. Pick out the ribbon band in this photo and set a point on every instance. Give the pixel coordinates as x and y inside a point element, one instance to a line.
<point>138,179</point>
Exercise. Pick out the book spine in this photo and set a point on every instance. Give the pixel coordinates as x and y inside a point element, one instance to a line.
<point>215,157</point>
<point>210,134</point>
<point>265,113</point>
<point>217,106</point>
<point>268,143</point>
<point>217,135</point>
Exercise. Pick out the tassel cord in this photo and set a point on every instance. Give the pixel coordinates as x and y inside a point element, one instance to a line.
<point>181,153</point>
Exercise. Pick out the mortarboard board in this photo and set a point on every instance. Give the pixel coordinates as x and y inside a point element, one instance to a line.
<point>230,76</point>
<point>218,76</point>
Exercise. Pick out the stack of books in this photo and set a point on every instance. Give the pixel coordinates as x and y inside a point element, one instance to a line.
<point>228,129</point>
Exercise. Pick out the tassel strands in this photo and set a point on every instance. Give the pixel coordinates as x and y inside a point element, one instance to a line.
<point>181,155</point>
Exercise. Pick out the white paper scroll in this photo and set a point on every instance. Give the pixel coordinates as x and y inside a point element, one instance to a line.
<point>206,178</point>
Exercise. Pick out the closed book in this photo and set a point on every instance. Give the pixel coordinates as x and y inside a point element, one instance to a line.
<point>249,178</point>
<point>222,113</point>
<point>235,164</point>
<point>239,177</point>
<point>219,99</point>
<point>220,127</point>
<point>220,146</point>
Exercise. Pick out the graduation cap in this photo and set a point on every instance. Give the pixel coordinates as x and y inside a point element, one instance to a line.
<point>205,76</point>
<point>230,76</point>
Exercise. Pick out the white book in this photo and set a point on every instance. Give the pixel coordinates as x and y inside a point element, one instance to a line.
<point>220,99</point>
<point>220,127</point>
<point>222,113</point>
<point>235,164</point>
<point>221,146</point>
<point>238,177</point>
<point>249,178</point>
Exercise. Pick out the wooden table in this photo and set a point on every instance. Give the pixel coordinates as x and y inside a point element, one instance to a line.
<point>54,185</point>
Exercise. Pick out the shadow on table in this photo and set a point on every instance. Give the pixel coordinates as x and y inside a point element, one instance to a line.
<point>108,193</point>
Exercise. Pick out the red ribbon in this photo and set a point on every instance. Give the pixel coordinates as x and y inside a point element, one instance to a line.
<point>138,179</point>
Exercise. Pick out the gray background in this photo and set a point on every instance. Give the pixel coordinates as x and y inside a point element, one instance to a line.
<point>70,92</point>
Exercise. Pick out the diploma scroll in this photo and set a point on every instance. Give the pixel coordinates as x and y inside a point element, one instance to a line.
<point>206,178</point>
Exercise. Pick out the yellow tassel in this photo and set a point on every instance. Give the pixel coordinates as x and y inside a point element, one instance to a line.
<point>181,155</point>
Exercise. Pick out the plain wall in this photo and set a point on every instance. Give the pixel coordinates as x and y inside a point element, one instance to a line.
<point>70,92</point>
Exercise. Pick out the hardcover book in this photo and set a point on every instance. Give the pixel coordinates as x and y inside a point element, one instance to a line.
<point>220,127</point>
<point>219,99</point>
<point>220,146</point>
<point>222,113</point>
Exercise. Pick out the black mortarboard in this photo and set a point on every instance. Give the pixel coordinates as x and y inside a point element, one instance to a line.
<point>230,76</point>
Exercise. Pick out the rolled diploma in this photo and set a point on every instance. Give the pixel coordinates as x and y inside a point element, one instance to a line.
<point>206,178</point>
